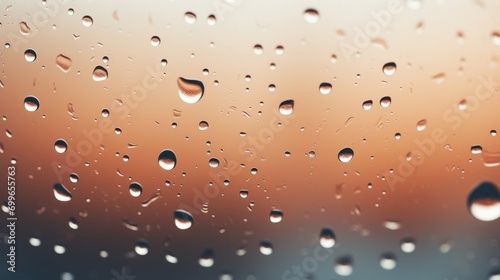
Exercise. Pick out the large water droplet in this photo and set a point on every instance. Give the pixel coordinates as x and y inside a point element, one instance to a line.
<point>367,105</point>
<point>63,62</point>
<point>61,193</point>
<point>135,189</point>
<point>155,41</point>
<point>484,202</point>
<point>203,125</point>
<point>183,219</point>
<point>388,261</point>
<point>343,267</point>
<point>476,149</point>
<point>61,146</point>
<point>258,49</point>
<point>276,216</point>
<point>87,21</point>
<point>213,162</point>
<point>327,238</point>
<point>167,159</point>
<point>266,248</point>
<point>385,101</point>
<point>190,17</point>
<point>286,107</point>
<point>346,154</point>
<point>99,74</point>
<point>389,68</point>
<point>311,15</point>
<point>31,103</point>
<point>30,55</point>
<point>325,88</point>
<point>207,258</point>
<point>190,91</point>
<point>141,247</point>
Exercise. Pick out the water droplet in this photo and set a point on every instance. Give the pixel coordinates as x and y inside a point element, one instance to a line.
<point>99,74</point>
<point>73,223</point>
<point>343,267</point>
<point>484,202</point>
<point>346,154</point>
<point>258,49</point>
<point>35,241</point>
<point>105,113</point>
<point>135,189</point>
<point>31,103</point>
<point>385,101</point>
<point>421,125</point>
<point>163,62</point>
<point>61,146</point>
<point>243,193</point>
<point>59,249</point>
<point>325,88</point>
<point>211,20</point>
<point>494,276</point>
<point>462,105</point>
<point>61,193</point>
<point>155,41</point>
<point>103,254</point>
<point>286,107</point>
<point>73,177</point>
<point>167,159</point>
<point>311,16</point>
<point>213,162</point>
<point>87,21</point>
<point>207,258</point>
<point>203,125</point>
<point>63,62</point>
<point>24,28</point>
<point>266,248</point>
<point>280,50</point>
<point>389,68</point>
<point>408,245</point>
<point>367,105</point>
<point>190,17</point>
<point>397,136</point>
<point>276,216</point>
<point>493,132</point>
<point>141,247</point>
<point>388,261</point>
<point>171,258</point>
<point>71,12</point>
<point>190,91</point>
<point>183,219</point>
<point>392,225</point>
<point>476,149</point>
<point>495,38</point>
<point>30,55</point>
<point>327,238</point>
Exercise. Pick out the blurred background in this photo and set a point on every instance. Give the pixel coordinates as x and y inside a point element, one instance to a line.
<point>238,139</point>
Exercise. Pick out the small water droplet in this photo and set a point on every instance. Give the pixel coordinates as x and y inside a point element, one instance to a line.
<point>35,241</point>
<point>311,16</point>
<point>421,125</point>
<point>476,149</point>
<point>190,91</point>
<point>73,223</point>
<point>87,21</point>
<point>61,146</point>
<point>392,225</point>
<point>141,247</point>
<point>343,266</point>
<point>183,219</point>
<point>24,28</point>
<point>31,103</point>
<point>135,189</point>
<point>59,249</point>
<point>325,88</point>
<point>211,20</point>
<point>203,125</point>
<point>99,74</point>
<point>367,105</point>
<point>276,216</point>
<point>155,41</point>
<point>484,202</point>
<point>389,68</point>
<point>61,193</point>
<point>385,101</point>
<point>190,17</point>
<point>207,258</point>
<point>71,12</point>
<point>167,159</point>
<point>30,55</point>
<point>266,248</point>
<point>408,245</point>
<point>258,49</point>
<point>495,38</point>
<point>73,177</point>
<point>286,107</point>
<point>346,154</point>
<point>243,193</point>
<point>63,62</point>
<point>388,261</point>
<point>493,132</point>
<point>327,238</point>
<point>280,50</point>
<point>105,113</point>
